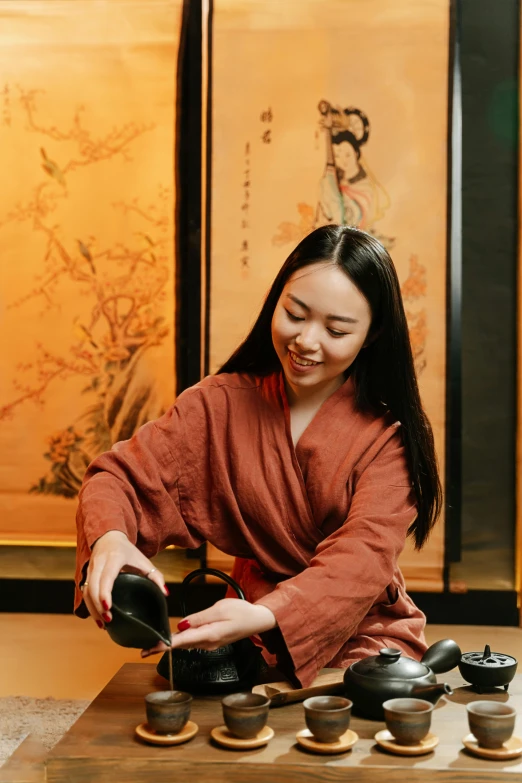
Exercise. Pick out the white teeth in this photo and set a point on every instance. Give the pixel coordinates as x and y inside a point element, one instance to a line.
<point>298,360</point>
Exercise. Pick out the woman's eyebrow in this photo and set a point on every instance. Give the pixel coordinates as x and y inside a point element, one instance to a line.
<point>344,318</point>
<point>330,317</point>
<point>299,302</point>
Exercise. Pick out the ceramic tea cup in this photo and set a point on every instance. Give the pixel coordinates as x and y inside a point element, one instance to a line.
<point>408,720</point>
<point>168,711</point>
<point>327,717</point>
<point>491,722</point>
<point>245,714</point>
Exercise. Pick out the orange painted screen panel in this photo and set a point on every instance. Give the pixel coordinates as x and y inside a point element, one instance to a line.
<point>87,123</point>
<point>371,80</point>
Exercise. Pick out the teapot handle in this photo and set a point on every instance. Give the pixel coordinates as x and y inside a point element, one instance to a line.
<point>442,656</point>
<point>210,572</point>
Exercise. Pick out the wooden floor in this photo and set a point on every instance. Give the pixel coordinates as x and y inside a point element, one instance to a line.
<point>65,657</point>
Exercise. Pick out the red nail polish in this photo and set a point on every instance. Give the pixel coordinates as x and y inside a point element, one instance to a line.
<point>99,623</point>
<point>167,591</point>
<point>183,625</point>
<point>105,605</point>
<point>106,618</point>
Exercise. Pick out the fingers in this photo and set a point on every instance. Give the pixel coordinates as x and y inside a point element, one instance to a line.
<point>104,570</point>
<point>104,581</point>
<point>158,648</point>
<point>219,611</point>
<point>205,637</point>
<point>227,621</point>
<point>156,576</point>
<point>209,636</point>
<point>146,568</point>
<point>91,608</point>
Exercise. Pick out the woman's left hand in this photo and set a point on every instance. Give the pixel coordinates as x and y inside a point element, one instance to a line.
<point>227,621</point>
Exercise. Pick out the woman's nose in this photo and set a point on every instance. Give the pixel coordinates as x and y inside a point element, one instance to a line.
<point>307,339</point>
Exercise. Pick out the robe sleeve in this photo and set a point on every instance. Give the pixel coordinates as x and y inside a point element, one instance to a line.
<point>319,609</point>
<point>134,488</point>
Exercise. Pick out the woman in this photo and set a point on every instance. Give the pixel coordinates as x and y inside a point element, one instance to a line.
<point>308,457</point>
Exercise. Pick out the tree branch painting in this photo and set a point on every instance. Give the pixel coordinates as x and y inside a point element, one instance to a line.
<point>122,287</point>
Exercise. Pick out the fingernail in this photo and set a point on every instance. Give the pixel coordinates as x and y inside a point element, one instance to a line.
<point>105,605</point>
<point>99,623</point>
<point>167,591</point>
<point>145,654</point>
<point>106,617</point>
<point>183,625</point>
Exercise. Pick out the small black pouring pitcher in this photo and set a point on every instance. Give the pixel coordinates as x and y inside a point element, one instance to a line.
<point>234,667</point>
<point>140,616</point>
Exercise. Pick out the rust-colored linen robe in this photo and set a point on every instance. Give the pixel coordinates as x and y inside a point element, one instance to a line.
<point>316,529</point>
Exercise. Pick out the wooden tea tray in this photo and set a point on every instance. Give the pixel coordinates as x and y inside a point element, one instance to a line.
<point>101,747</point>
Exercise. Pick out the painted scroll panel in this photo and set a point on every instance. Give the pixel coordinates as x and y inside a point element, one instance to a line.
<point>87,124</point>
<point>371,79</point>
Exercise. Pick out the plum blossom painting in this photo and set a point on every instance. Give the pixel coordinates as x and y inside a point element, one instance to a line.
<point>87,129</point>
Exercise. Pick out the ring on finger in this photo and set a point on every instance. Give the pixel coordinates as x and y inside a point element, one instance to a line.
<point>150,572</point>
<point>85,584</point>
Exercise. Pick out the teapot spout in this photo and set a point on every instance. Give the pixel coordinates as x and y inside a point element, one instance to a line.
<point>431,693</point>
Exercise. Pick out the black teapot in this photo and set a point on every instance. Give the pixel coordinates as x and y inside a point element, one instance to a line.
<point>234,667</point>
<point>389,675</point>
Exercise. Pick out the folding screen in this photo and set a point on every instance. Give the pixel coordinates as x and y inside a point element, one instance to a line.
<point>87,130</point>
<point>518,535</point>
<point>518,477</point>
<point>365,85</point>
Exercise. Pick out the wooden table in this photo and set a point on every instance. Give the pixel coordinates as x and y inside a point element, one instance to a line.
<point>101,745</point>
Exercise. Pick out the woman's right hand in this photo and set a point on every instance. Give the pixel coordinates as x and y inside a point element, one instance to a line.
<point>112,553</point>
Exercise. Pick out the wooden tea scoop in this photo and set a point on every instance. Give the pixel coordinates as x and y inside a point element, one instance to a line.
<point>284,693</point>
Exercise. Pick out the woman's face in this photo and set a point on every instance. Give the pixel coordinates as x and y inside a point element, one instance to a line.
<point>346,159</point>
<point>320,324</point>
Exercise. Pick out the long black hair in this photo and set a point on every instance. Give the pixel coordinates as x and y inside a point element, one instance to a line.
<point>383,372</point>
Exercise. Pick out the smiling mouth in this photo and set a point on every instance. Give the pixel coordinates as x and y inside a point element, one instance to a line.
<point>303,362</point>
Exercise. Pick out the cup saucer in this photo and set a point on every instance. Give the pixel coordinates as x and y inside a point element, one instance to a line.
<point>346,741</point>
<point>144,732</point>
<point>511,749</point>
<point>225,738</point>
<point>387,741</point>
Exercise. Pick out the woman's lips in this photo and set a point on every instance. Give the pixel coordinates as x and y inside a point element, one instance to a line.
<point>295,362</point>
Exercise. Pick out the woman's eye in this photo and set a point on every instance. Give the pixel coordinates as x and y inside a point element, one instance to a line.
<point>335,333</point>
<point>292,316</point>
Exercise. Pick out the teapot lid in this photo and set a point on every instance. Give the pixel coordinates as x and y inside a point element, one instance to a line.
<point>390,664</point>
